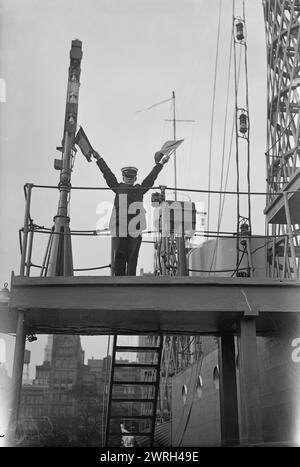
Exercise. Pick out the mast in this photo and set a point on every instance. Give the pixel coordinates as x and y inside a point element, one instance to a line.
<point>174,137</point>
<point>242,139</point>
<point>60,259</point>
<point>174,120</point>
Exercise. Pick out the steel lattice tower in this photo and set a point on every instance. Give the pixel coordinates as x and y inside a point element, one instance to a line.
<point>282,21</point>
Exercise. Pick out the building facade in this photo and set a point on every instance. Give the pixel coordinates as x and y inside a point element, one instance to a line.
<point>64,403</point>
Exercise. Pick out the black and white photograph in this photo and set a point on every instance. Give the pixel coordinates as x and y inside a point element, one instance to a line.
<point>150,226</point>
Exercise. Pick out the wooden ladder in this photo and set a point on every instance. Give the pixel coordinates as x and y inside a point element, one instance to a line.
<point>133,394</point>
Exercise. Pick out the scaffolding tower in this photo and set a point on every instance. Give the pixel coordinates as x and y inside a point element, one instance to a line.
<point>282,25</point>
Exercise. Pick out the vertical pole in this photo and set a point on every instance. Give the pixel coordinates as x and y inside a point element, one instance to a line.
<point>26,229</point>
<point>174,135</point>
<point>29,254</point>
<point>290,233</point>
<point>228,391</point>
<point>165,234</point>
<point>112,256</point>
<point>248,242</point>
<point>285,257</point>
<point>250,416</point>
<point>182,269</point>
<point>273,259</point>
<point>17,375</point>
<point>60,256</point>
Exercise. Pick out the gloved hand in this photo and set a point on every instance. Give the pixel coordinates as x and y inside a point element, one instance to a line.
<point>164,160</point>
<point>96,155</point>
<point>158,156</point>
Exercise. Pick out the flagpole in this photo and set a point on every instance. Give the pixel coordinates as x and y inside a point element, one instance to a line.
<point>174,120</point>
<point>174,137</point>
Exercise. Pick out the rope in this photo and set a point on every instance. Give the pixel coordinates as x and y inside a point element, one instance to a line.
<point>236,127</point>
<point>233,235</point>
<point>192,190</point>
<point>279,137</point>
<point>196,370</point>
<point>248,139</point>
<point>238,265</point>
<point>75,234</point>
<point>224,134</point>
<point>231,143</point>
<point>155,105</point>
<point>217,270</point>
<point>230,150</point>
<point>92,269</point>
<point>220,211</point>
<point>213,113</point>
<point>85,233</point>
<point>232,192</point>
<point>36,266</point>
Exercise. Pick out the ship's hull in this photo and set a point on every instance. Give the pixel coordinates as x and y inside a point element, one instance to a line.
<point>197,421</point>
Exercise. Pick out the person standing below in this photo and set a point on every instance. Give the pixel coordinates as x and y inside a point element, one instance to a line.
<point>128,218</point>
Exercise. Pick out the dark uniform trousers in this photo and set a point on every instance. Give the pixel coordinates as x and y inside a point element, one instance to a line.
<point>126,251</point>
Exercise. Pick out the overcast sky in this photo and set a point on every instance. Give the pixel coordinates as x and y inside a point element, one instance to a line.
<point>135,53</point>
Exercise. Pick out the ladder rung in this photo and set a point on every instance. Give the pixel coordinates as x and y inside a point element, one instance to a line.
<point>133,433</point>
<point>136,365</point>
<point>139,383</point>
<point>122,399</point>
<point>131,417</point>
<point>124,348</point>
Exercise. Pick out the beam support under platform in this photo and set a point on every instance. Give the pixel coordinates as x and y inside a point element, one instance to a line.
<point>228,391</point>
<point>250,407</point>
<point>137,305</point>
<point>17,375</point>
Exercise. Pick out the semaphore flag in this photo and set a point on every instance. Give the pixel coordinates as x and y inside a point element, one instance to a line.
<point>85,146</point>
<point>170,146</point>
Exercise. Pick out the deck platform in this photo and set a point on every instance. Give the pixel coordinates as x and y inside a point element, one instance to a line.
<point>97,305</point>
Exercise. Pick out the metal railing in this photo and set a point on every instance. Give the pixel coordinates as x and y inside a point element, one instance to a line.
<point>30,229</point>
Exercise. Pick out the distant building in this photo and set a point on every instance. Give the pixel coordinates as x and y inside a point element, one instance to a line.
<point>68,397</point>
<point>48,349</point>
<point>65,388</point>
<point>5,392</point>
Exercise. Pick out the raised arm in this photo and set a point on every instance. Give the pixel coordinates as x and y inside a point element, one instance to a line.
<point>110,177</point>
<point>150,179</point>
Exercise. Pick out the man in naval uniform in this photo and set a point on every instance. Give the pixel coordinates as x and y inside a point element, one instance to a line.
<point>128,218</point>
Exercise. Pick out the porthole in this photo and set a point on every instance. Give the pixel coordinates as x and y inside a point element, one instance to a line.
<point>199,386</point>
<point>184,393</point>
<point>216,377</point>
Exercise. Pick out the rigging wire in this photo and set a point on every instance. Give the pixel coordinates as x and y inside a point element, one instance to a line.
<point>223,154</point>
<point>224,192</point>
<point>236,125</point>
<point>154,105</point>
<point>229,192</point>
<point>213,113</point>
<point>245,133</point>
<point>224,133</point>
<point>239,263</point>
<point>248,132</point>
<point>167,131</point>
<point>198,371</point>
<point>286,128</point>
<point>221,208</point>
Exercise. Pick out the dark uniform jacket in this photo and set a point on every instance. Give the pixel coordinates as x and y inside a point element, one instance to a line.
<point>125,196</point>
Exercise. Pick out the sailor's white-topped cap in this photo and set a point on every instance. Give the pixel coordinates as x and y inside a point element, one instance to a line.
<point>129,171</point>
